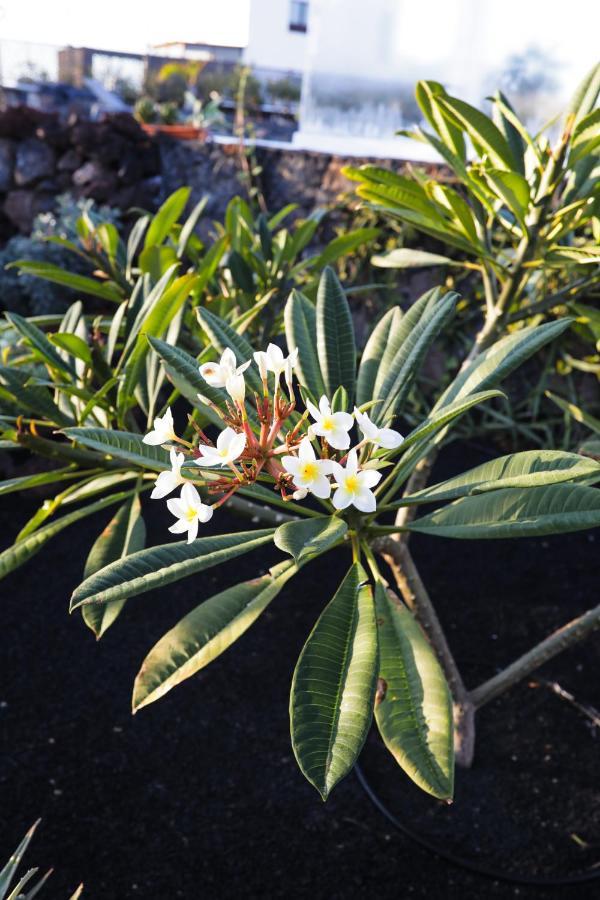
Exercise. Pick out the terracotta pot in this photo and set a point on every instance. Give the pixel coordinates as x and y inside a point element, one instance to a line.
<point>181,132</point>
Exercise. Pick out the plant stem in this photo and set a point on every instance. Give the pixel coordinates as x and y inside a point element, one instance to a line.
<point>570,634</point>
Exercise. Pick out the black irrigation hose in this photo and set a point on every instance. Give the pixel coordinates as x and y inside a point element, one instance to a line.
<point>466,864</point>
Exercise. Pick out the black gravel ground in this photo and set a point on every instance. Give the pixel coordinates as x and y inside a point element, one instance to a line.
<point>199,796</point>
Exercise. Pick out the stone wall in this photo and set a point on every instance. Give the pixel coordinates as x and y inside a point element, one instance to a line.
<point>112,161</point>
<point>115,162</point>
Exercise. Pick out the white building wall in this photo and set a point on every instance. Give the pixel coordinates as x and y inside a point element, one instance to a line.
<point>271,43</point>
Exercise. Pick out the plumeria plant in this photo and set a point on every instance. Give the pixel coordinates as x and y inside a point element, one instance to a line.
<point>311,448</point>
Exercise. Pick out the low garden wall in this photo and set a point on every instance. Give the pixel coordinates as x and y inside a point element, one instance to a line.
<point>114,162</point>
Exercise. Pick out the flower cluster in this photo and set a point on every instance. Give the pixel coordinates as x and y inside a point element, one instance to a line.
<point>268,441</point>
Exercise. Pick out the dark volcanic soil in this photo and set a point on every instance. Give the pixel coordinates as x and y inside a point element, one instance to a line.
<point>199,796</point>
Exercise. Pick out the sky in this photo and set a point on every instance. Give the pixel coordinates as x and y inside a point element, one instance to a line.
<point>130,25</point>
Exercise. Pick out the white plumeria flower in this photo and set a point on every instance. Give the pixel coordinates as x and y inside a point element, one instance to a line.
<point>168,481</point>
<point>189,511</point>
<point>354,486</point>
<point>273,360</point>
<point>230,444</point>
<point>216,374</point>
<point>300,494</point>
<point>309,473</point>
<point>382,437</point>
<point>334,427</point>
<point>236,386</point>
<point>163,430</point>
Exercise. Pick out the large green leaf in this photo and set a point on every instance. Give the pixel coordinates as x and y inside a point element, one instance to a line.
<point>531,468</point>
<point>335,336</point>
<point>38,340</point>
<point>493,365</point>
<point>482,131</point>
<point>205,633</point>
<point>124,534</point>
<point>121,444</point>
<point>23,550</point>
<point>383,351</point>
<point>438,420</point>
<point>408,360</point>
<point>306,539</point>
<point>107,290</point>
<point>371,361</point>
<point>166,217</point>
<point>427,94</point>
<point>413,707</point>
<point>301,332</point>
<point>158,566</point>
<point>331,702</point>
<point>516,512</point>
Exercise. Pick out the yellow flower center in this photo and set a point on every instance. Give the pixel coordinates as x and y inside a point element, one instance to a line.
<point>327,424</point>
<point>224,453</point>
<point>190,514</point>
<point>351,483</point>
<point>309,471</point>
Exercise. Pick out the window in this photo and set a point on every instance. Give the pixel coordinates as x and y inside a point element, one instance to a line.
<point>298,15</point>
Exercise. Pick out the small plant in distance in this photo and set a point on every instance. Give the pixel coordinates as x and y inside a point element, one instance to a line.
<point>309,448</point>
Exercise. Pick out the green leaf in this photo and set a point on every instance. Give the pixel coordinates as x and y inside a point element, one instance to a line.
<point>345,244</point>
<point>10,869</point>
<point>408,360</point>
<point>167,215</point>
<point>514,512</point>
<point>189,225</point>
<point>513,190</point>
<point>122,445</point>
<point>74,346</point>
<point>164,309</point>
<point>29,396</point>
<point>333,688</point>
<point>22,551</point>
<point>23,482</point>
<point>370,368</point>
<point>307,539</point>
<point>427,94</point>
<point>40,342</point>
<point>585,97</point>
<point>335,336</point>
<point>301,331</point>
<point>531,468</point>
<point>158,566</point>
<point>413,706</point>
<point>491,366</point>
<point>124,534</point>
<point>484,134</point>
<point>106,290</point>
<point>438,420</point>
<point>404,258</point>
<point>576,412</point>
<point>205,633</point>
